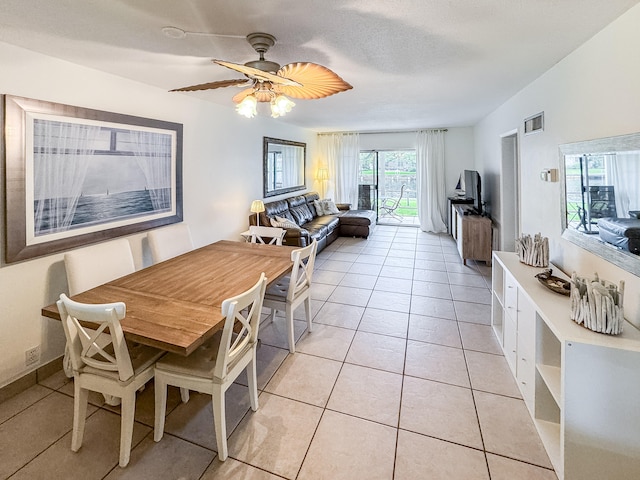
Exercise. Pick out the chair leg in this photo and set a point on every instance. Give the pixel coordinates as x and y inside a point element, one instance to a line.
<point>220,421</point>
<point>127,414</point>
<point>252,381</point>
<point>80,399</point>
<point>307,312</point>
<point>184,394</point>
<point>160,407</point>
<point>290,333</point>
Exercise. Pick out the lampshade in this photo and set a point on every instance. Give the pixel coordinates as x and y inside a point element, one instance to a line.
<point>257,206</point>
<point>280,106</point>
<point>322,174</point>
<point>248,107</point>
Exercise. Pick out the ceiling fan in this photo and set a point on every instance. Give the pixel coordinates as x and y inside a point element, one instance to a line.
<point>268,82</point>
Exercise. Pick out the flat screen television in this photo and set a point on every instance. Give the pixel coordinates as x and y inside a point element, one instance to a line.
<point>473,189</point>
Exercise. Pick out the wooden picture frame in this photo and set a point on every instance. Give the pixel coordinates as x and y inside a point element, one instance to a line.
<point>75,176</point>
<point>283,166</point>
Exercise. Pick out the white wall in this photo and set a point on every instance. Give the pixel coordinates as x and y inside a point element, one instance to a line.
<point>592,93</point>
<point>222,174</point>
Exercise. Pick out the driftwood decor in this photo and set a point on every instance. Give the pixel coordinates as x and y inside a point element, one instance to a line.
<point>533,251</point>
<point>597,304</point>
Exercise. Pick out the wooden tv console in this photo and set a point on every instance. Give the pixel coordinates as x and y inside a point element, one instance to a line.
<point>472,233</point>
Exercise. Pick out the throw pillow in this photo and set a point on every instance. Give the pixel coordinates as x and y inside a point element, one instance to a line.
<point>319,209</point>
<point>282,222</point>
<point>329,207</point>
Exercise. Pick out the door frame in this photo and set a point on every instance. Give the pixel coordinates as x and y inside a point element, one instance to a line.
<point>510,188</point>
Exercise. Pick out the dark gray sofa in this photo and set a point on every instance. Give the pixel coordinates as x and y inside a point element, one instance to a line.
<point>301,210</point>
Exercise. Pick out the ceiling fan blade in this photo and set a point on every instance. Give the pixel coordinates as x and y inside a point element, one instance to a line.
<point>258,74</point>
<point>314,81</point>
<point>211,85</point>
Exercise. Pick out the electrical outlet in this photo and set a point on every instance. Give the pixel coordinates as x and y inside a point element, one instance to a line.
<point>32,356</point>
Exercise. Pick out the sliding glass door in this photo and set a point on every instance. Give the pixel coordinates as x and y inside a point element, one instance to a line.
<point>387,184</point>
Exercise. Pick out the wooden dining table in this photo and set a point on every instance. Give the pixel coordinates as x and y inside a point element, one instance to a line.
<point>175,305</point>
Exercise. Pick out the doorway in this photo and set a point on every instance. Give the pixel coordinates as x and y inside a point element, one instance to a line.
<point>509,192</point>
<point>387,184</point>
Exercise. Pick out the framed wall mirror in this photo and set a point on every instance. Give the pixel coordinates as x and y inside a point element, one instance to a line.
<point>283,166</point>
<point>601,198</point>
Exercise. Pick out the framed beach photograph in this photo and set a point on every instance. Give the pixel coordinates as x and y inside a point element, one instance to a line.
<point>75,176</point>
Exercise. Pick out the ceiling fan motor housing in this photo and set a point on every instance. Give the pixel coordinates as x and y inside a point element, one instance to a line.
<point>261,43</point>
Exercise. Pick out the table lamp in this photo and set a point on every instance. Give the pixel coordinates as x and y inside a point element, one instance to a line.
<point>257,206</point>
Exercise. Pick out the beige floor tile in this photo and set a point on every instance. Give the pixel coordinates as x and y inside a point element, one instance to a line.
<point>397,285</point>
<point>465,280</point>
<point>457,267</point>
<point>335,265</point>
<point>320,291</point>
<point>434,330</point>
<point>432,307</point>
<point>377,351</point>
<point>269,360</point>
<point>384,322</point>
<point>436,362</point>
<point>367,393</point>
<point>431,289</point>
<point>339,315</point>
<point>99,453</point>
<point>398,261</point>
<point>277,436</point>
<point>471,294</point>
<point>327,277</point>
<point>491,373</point>
<point>436,266</point>
<point>397,272</point>
<point>33,430</point>
<point>439,410</point>
<point>502,468</point>
<point>480,338</point>
<point>366,268</point>
<point>235,470</point>
<point>21,401</point>
<point>430,276</point>
<point>55,381</point>
<point>374,256</point>
<point>346,447</point>
<point>508,430</point>
<point>418,456</point>
<point>326,341</point>
<point>305,378</point>
<point>193,421</point>
<point>169,458</point>
<point>396,302</point>
<point>473,312</point>
<point>275,333</point>
<point>359,280</point>
<point>350,296</point>
<point>344,256</point>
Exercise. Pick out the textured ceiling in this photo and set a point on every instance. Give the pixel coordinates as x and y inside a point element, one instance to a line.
<point>412,63</point>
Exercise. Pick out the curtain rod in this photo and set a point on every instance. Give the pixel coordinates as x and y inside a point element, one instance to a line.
<point>390,131</point>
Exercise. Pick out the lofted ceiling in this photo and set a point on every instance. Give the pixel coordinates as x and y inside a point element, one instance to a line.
<point>412,63</point>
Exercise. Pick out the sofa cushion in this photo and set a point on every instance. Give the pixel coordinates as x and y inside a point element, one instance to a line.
<point>301,213</point>
<point>283,222</point>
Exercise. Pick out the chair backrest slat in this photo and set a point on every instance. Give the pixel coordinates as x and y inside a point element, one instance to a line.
<point>245,309</point>
<point>302,271</point>
<point>259,234</point>
<point>86,346</point>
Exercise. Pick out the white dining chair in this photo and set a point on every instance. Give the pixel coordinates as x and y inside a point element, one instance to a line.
<point>274,235</point>
<point>169,242</point>
<point>214,366</point>
<point>91,266</point>
<point>113,369</point>
<point>293,290</point>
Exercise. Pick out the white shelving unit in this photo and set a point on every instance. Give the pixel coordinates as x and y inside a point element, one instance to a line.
<point>582,388</point>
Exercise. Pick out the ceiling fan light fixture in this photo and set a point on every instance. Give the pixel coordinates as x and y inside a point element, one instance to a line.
<point>280,106</point>
<point>248,107</point>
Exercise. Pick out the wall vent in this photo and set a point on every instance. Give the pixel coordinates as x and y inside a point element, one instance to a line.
<point>534,123</point>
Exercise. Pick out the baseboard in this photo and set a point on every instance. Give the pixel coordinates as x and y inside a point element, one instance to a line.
<point>30,379</point>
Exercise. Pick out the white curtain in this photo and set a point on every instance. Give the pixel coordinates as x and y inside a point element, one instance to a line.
<point>62,152</point>
<point>153,154</point>
<point>622,170</point>
<point>431,189</point>
<point>341,153</point>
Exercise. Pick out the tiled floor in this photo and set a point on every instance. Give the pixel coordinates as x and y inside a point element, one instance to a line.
<point>401,378</point>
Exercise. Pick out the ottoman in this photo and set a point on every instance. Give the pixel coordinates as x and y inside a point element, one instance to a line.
<point>357,223</point>
<point>624,233</point>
